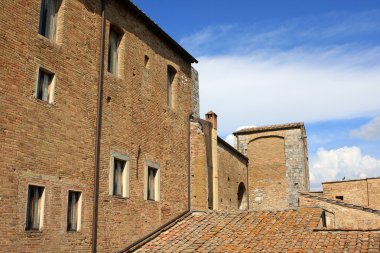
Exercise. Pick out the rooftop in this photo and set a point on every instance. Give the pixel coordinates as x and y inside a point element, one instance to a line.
<point>160,33</point>
<point>270,128</point>
<point>254,231</point>
<point>350,180</point>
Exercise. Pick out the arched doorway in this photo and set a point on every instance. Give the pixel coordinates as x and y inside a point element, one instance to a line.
<point>242,197</point>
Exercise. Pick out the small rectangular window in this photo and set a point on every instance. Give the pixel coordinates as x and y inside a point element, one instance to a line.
<point>171,72</point>
<point>48,18</point>
<point>73,211</point>
<point>119,175</point>
<point>152,173</point>
<point>45,86</point>
<point>34,207</point>
<point>113,50</point>
<point>339,197</point>
<point>118,182</point>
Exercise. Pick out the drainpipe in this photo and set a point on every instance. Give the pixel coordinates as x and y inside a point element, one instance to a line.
<point>98,134</point>
<point>191,115</point>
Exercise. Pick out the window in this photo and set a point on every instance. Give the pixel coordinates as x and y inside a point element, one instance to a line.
<point>45,86</point>
<point>34,210</point>
<point>74,210</point>
<point>152,182</point>
<point>113,50</point>
<point>48,18</point>
<point>170,80</point>
<point>339,197</point>
<point>119,174</point>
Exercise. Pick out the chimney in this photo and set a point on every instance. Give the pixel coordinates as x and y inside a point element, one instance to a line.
<point>212,117</point>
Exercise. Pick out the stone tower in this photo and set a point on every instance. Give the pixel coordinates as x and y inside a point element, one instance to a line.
<point>278,164</point>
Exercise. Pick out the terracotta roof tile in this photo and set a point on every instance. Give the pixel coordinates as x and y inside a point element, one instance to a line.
<point>256,231</point>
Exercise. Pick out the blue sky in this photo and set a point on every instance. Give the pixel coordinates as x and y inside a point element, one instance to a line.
<point>270,62</point>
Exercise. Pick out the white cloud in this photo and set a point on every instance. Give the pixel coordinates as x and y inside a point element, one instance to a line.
<point>307,69</point>
<point>297,85</point>
<point>348,162</point>
<point>369,131</point>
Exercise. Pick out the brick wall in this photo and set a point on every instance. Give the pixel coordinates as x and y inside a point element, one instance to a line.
<point>53,144</point>
<point>374,192</point>
<point>199,171</point>
<point>345,217</point>
<point>278,168</point>
<point>232,172</point>
<point>364,192</point>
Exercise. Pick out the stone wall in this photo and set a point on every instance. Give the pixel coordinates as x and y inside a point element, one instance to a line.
<point>344,217</point>
<point>278,167</point>
<point>195,93</point>
<point>52,144</point>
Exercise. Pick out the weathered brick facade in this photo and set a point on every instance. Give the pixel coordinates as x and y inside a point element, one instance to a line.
<point>340,216</point>
<point>278,168</point>
<point>364,192</point>
<point>52,144</point>
<point>216,176</point>
<point>232,174</point>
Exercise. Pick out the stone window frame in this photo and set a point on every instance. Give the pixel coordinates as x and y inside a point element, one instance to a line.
<point>41,71</point>
<point>125,175</point>
<point>79,211</point>
<point>157,181</point>
<point>41,209</point>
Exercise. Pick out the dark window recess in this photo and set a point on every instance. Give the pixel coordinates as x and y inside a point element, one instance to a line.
<point>44,86</point>
<point>171,72</point>
<point>113,51</point>
<point>34,207</point>
<point>324,223</point>
<point>118,184</point>
<point>339,197</point>
<point>73,211</point>
<point>48,18</point>
<point>152,173</point>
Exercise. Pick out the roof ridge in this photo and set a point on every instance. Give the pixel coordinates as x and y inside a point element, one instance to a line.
<point>270,127</point>
<point>342,203</point>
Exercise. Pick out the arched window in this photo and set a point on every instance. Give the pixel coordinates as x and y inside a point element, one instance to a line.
<point>242,197</point>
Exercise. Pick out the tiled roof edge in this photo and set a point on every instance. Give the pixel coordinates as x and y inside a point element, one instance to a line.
<point>341,203</point>
<point>270,128</point>
<point>160,32</point>
<point>156,233</point>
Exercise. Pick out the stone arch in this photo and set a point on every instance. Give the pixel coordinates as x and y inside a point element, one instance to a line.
<point>266,136</point>
<point>242,197</point>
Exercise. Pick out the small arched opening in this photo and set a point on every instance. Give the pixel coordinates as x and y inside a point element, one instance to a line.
<point>242,197</point>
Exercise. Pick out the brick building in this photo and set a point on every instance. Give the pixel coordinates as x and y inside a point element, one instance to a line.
<point>350,204</point>
<point>94,131</point>
<point>219,172</point>
<point>102,145</point>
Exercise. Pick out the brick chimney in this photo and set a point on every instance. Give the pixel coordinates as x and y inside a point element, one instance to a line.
<point>212,117</point>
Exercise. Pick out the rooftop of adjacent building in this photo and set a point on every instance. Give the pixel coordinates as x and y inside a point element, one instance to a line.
<point>318,196</point>
<point>270,128</point>
<point>350,180</point>
<point>253,231</point>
